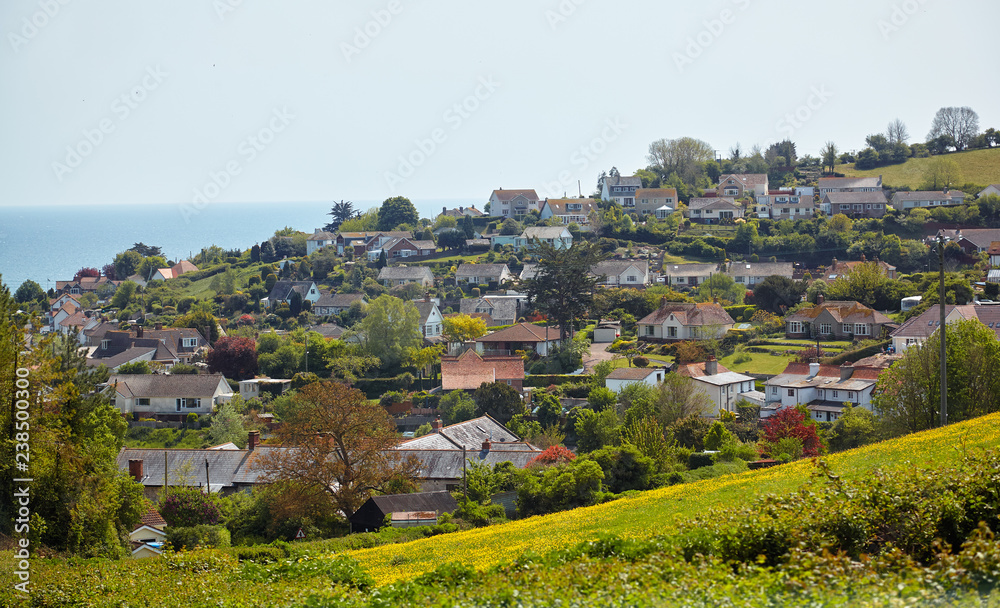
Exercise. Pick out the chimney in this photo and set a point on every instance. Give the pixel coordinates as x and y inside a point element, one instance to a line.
<point>820,299</point>
<point>487,445</point>
<point>436,425</point>
<point>846,371</point>
<point>158,326</point>
<point>135,468</point>
<point>427,296</point>
<point>138,331</point>
<point>253,439</point>
<point>444,210</point>
<point>711,366</point>
<point>813,369</point>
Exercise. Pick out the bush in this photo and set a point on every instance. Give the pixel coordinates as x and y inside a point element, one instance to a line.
<point>259,554</point>
<point>699,459</point>
<point>188,507</point>
<point>640,362</point>
<point>190,537</point>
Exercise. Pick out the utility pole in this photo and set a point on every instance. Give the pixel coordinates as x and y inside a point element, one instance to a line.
<point>944,351</point>
<point>208,484</point>
<point>465,478</point>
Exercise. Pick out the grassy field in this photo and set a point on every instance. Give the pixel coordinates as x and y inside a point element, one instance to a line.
<point>760,363</point>
<point>978,167</point>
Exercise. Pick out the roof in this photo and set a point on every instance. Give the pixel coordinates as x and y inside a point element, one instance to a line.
<point>695,370</point>
<point>835,198</point>
<point>471,434</point>
<point>182,267</point>
<point>413,273</point>
<point>506,195</point>
<point>796,373</point>
<point>187,467</point>
<point>558,206</point>
<point>690,269</point>
<point>329,330</point>
<point>842,312</point>
<point>529,271</point>
<point>283,290</point>
<point>846,266</point>
<point>523,332</point>
<point>546,232</point>
<point>689,314</point>
<point>447,463</point>
<point>724,378</point>
<point>749,180</point>
<point>617,267</point>
<point>481,270</point>
<point>425,308</point>
<point>434,502</point>
<point>980,237</point>
<point>167,385</point>
<point>152,518</point>
<point>469,370</point>
<point>713,202</point>
<point>623,180</point>
<point>499,308</point>
<point>926,323</point>
<point>633,373</point>
<point>928,195</point>
<point>656,193</point>
<point>849,182</point>
<point>339,300</point>
<point>321,235</point>
<point>761,269</point>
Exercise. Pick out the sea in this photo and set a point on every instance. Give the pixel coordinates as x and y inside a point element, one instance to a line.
<point>50,243</point>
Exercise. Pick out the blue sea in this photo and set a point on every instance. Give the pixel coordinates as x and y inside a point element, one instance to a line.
<point>50,243</point>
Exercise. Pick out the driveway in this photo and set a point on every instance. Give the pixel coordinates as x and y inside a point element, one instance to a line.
<point>597,353</point>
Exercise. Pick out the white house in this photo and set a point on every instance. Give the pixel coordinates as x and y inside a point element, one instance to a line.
<point>283,290</point>
<point>568,210</point>
<point>319,240</point>
<point>991,189</point>
<point>685,321</point>
<point>390,276</point>
<point>431,322</point>
<point>622,273</point>
<point>513,203</point>
<point>785,206</point>
<point>712,210</point>
<point>904,201</point>
<point>167,395</point>
<point>752,273</point>
<point>827,185</point>
<point>621,377</point>
<point>557,236</point>
<point>823,389</point>
<point>254,387</point>
<point>916,330</point>
<point>620,189</point>
<point>688,275</point>
<point>475,274</point>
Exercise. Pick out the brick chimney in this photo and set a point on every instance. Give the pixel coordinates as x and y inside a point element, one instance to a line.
<point>253,439</point>
<point>436,425</point>
<point>138,331</point>
<point>711,366</point>
<point>158,326</point>
<point>820,299</point>
<point>846,371</point>
<point>487,445</point>
<point>444,210</point>
<point>135,468</point>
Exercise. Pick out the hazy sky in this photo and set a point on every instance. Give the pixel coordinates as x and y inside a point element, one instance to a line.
<point>191,102</point>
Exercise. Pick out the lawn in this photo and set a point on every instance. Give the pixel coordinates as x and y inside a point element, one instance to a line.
<point>841,344</point>
<point>759,363</point>
<point>977,166</point>
<point>654,360</point>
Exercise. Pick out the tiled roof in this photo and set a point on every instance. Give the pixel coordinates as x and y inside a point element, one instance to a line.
<point>523,332</point>
<point>689,314</point>
<point>469,370</point>
<point>749,180</point>
<point>849,182</point>
<point>714,202</point>
<point>506,195</point>
<point>842,312</point>
<point>481,270</point>
<point>760,269</point>
<point>837,198</point>
<point>691,270</point>
<point>470,434</point>
<point>425,308</point>
<point>414,273</point>
<point>182,267</point>
<point>925,324</point>
<point>153,519</point>
<point>656,193</point>
<point>633,373</point>
<point>928,195</point>
<point>283,290</point>
<point>321,235</point>
<point>167,385</point>
<point>558,206</point>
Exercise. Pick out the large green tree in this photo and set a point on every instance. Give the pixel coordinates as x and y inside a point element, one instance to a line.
<point>777,294</point>
<point>395,211</point>
<point>563,287</point>
<point>340,213</point>
<point>390,328</point>
<point>499,400</point>
<point>29,291</point>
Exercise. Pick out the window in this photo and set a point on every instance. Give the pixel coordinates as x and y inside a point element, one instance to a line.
<point>187,403</point>
<point>825,329</point>
<point>794,327</point>
<point>847,328</point>
<point>631,279</point>
<point>791,392</point>
<point>190,342</point>
<point>835,394</point>
<point>861,329</point>
<point>680,280</point>
<point>672,332</point>
<point>105,344</point>
<point>142,401</point>
<point>850,395</point>
<point>739,279</point>
<point>774,390</point>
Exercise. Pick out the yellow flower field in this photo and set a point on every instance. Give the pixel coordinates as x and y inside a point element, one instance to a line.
<point>662,510</point>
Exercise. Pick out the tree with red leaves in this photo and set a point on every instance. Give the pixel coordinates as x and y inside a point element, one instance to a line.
<point>109,271</point>
<point>234,358</point>
<point>793,422</point>
<point>86,272</point>
<point>556,454</point>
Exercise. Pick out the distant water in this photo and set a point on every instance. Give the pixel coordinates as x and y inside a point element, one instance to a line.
<point>50,243</point>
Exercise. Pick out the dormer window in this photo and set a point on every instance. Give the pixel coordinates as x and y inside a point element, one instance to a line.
<point>105,344</point>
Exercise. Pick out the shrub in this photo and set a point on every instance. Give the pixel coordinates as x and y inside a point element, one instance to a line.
<point>187,507</point>
<point>189,537</point>
<point>259,554</point>
<point>640,361</point>
<point>699,459</point>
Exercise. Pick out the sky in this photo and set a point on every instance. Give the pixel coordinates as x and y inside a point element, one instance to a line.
<point>195,102</point>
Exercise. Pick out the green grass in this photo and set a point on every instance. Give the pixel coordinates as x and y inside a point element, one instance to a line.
<point>841,344</point>
<point>759,363</point>
<point>977,166</point>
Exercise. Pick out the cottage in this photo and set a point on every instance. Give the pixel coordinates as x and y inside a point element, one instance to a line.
<point>336,303</point>
<point>674,321</point>
<point>855,204</point>
<point>837,321</point>
<point>257,387</point>
<point>319,240</point>
<point>282,292</point>
<point>713,210</point>
<point>621,377</point>
<point>371,516</point>
<point>87,285</point>
<point>402,247</point>
<point>905,201</point>
<point>469,370</point>
<point>167,396</point>
<point>569,210</point>
<point>823,389</point>
<point>461,212</point>
<point>740,185</point>
<point>356,242</point>
<point>993,189</point>
<point>390,276</point>
<point>182,267</point>
<point>523,336</point>
<point>513,203</point>
<point>650,200</point>
<point>117,348</point>
<point>485,274</point>
<point>622,273</point>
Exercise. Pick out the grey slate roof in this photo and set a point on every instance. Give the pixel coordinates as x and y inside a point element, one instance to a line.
<point>471,434</point>
<point>499,308</point>
<point>447,464</point>
<point>837,198</point>
<point>412,273</point>
<point>492,271</point>
<point>441,502</point>
<point>712,202</point>
<point>613,268</point>
<point>166,385</point>
<point>185,465</point>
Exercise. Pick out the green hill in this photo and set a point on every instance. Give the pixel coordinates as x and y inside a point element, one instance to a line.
<point>977,166</point>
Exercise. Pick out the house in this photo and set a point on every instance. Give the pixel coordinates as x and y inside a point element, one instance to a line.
<point>904,201</point>
<point>855,204</point>
<point>841,268</point>
<point>522,336</point>
<point>482,274</point>
<point>649,200</point>
<point>621,377</point>
<point>916,330</point>
<point>398,248</point>
<point>371,515</point>
<point>330,331</point>
<point>785,206</point>
<point>283,290</point>
<point>823,389</point>
<point>336,303</point>
<point>971,240</point>
<point>431,322</point>
<point>740,185</point>
<point>836,320</point>
<point>557,236</point>
<point>117,348</point>
<point>622,273</point>
<point>994,253</point>
<point>149,533</point>
<point>688,275</point>
<point>502,310</point>
<point>468,371</point>
<point>993,189</point>
<point>674,321</point>
<point>513,203</point>
<point>461,212</point>
<point>620,189</point>
<point>713,210</point>
<point>826,185</point>
<point>182,267</point>
<point>167,396</point>
<point>355,241</point>
<point>752,273</point>
<point>256,387</point>
<point>319,240</point>
<point>568,210</point>
<point>390,276</point>
<point>86,285</point>
<point>444,452</point>
<point>723,387</point>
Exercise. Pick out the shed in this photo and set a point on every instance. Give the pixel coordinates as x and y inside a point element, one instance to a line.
<point>607,331</point>
<point>370,516</point>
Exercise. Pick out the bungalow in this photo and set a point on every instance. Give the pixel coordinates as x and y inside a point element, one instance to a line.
<point>117,348</point>
<point>752,273</point>
<point>841,268</point>
<point>836,321</point>
<point>502,310</point>
<point>993,189</point>
<point>398,248</point>
<point>620,189</point>
<point>477,274</point>
<point>676,321</point>
<point>401,510</point>
<point>513,203</point>
<point>688,275</point>
<point>522,336</point>
<point>390,276</point>
<point>823,389</point>
<point>866,204</point>
<point>86,285</point>
<point>713,210</point>
<point>319,240</point>
<point>740,185</point>
<point>461,212</point>
<point>916,330</point>
<point>167,396</point>
<point>621,377</point>
<point>723,387</point>
<point>827,185</point>
<point>786,206</point>
<point>468,371</point>
<point>336,303</point>
<point>972,240</point>
<point>283,290</point>
<point>622,273</point>
<point>431,322</point>
<point>256,387</point>
<point>649,200</point>
<point>904,201</point>
<point>182,267</point>
<point>557,236</point>
<point>568,210</point>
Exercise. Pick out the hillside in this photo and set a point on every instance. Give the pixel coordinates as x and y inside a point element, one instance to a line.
<point>978,167</point>
<point>545,560</point>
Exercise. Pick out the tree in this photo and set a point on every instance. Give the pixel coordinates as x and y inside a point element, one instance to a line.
<point>828,154</point>
<point>146,250</point>
<point>29,291</point>
<point>855,427</point>
<point>792,422</point>
<point>941,172</point>
<point>126,263</point>
<point>498,400</point>
<point>390,328</point>
<point>463,328</point>
<point>341,446</point>
<point>86,271</point>
<point>866,283</point>
<point>721,287</point>
<point>960,124</point>
<point>777,294</point>
<point>601,398</point>
<point>467,227</point>
<point>123,295</point>
<point>676,398</point>
<point>234,358</point>
<point>457,406</point>
<point>383,259</point>
<point>227,425</point>
<point>201,319</point>
<point>340,213</point>
<point>867,159</point>
<point>594,430</point>
<point>135,367</point>
<point>683,156</point>
<point>267,252</point>
<point>716,436</point>
<point>395,211</point>
<point>563,287</point>
<point>896,132</point>
<point>451,239</point>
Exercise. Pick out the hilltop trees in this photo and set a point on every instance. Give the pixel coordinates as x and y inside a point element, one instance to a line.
<point>395,211</point>
<point>390,328</point>
<point>959,124</point>
<point>340,213</point>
